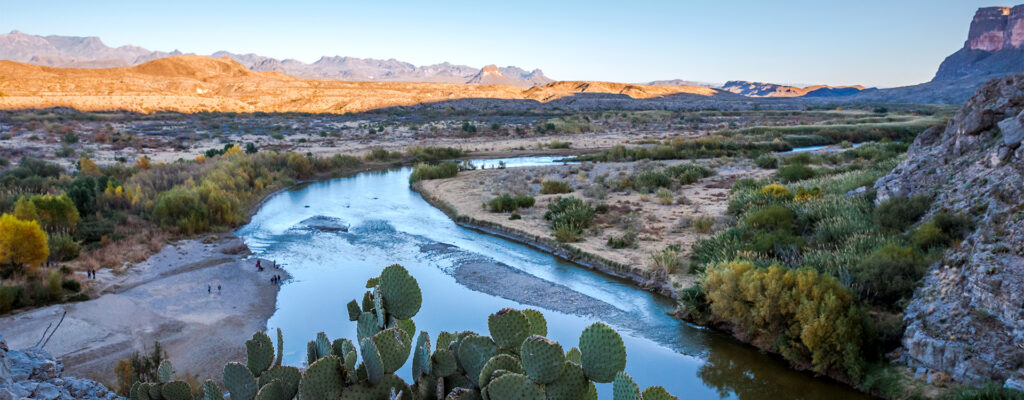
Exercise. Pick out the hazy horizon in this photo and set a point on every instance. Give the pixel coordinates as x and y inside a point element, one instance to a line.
<point>870,43</point>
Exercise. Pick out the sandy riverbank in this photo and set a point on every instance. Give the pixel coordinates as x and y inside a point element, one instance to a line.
<point>162,299</point>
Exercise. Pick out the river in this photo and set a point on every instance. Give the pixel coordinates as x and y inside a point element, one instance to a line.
<point>389,223</point>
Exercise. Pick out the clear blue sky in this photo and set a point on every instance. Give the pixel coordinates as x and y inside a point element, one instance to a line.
<point>871,42</point>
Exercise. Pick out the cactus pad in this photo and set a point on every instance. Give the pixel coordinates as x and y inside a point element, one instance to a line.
<point>542,359</point>
<point>164,371</point>
<point>176,390</point>
<point>280,347</point>
<point>367,302</point>
<point>514,386</point>
<point>288,376</point>
<point>211,391</point>
<point>498,362</point>
<point>323,345</point>
<point>154,391</point>
<point>378,308</point>
<point>474,352</point>
<point>394,346</point>
<point>406,325</point>
<point>366,327</point>
<point>463,394</point>
<point>353,311</point>
<point>591,392</point>
<point>602,353</point>
<point>311,352</point>
<point>570,385</point>
<point>380,391</point>
<point>445,339</point>
<point>573,355</point>
<point>341,346</point>
<point>372,361</point>
<point>538,325</point>
<point>443,363</point>
<point>402,295</point>
<point>624,388</point>
<point>657,393</point>
<point>322,380</point>
<point>508,327</point>
<point>259,353</point>
<point>239,382</point>
<point>273,390</point>
<point>421,357</point>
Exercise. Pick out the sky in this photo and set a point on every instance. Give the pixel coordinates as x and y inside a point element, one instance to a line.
<point>881,43</point>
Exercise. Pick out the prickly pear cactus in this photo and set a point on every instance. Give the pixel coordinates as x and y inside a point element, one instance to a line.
<point>508,327</point>
<point>474,352</point>
<point>499,362</point>
<point>443,363</point>
<point>322,380</point>
<point>288,376</point>
<point>602,352</point>
<point>164,371</point>
<point>273,390</point>
<point>570,385</point>
<point>239,382</point>
<point>353,311</point>
<point>542,359</point>
<point>624,388</point>
<point>259,353</point>
<point>514,386</point>
<point>573,355</point>
<point>402,295</point>
<point>280,348</point>
<point>657,393</point>
<point>421,357</point>
<point>394,346</point>
<point>538,325</point>
<point>211,391</point>
<point>176,390</point>
<point>372,361</point>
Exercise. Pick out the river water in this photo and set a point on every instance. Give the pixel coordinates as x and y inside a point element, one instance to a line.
<point>388,223</point>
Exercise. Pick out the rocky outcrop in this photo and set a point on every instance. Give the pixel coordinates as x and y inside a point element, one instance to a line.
<point>968,318</point>
<point>761,89</point>
<point>35,374</point>
<point>994,46</point>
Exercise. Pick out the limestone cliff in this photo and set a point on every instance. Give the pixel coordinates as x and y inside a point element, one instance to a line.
<point>994,45</point>
<point>968,318</point>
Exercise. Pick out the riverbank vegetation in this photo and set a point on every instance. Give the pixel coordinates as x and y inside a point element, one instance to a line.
<point>820,234</point>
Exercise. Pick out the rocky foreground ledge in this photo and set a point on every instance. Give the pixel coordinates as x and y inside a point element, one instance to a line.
<point>35,374</point>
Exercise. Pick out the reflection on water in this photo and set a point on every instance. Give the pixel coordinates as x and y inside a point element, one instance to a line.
<point>387,223</point>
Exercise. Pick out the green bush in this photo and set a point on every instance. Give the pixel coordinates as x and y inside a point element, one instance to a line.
<point>63,247</point>
<point>569,216</point>
<point>773,217</point>
<point>703,224</point>
<point>380,154</point>
<point>650,180</point>
<point>794,173</point>
<point>183,209</point>
<point>554,187</point>
<point>767,161</point>
<point>991,391</point>
<point>443,170</point>
<point>71,285</point>
<point>9,297</point>
<point>898,213</point>
<point>625,240</point>
<point>509,203</point>
<point>688,173</point>
<point>889,274</point>
<point>433,153</point>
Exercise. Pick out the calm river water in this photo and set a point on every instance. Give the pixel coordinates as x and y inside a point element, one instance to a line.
<point>391,224</point>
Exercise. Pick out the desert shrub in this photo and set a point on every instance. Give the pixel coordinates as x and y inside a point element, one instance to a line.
<point>767,161</point>
<point>774,243</point>
<point>776,192</point>
<point>627,239</point>
<point>794,173</point>
<point>688,173</point>
<point>803,194</point>
<point>515,216</point>
<point>554,187</point>
<point>991,391</point>
<point>9,296</point>
<point>889,274</point>
<point>799,159</point>
<point>443,170</point>
<point>664,196</point>
<point>419,154</point>
<point>703,223</point>
<point>808,318</point>
<point>896,214</point>
<point>63,247</point>
<point>509,203</point>
<point>667,259</point>
<point>557,144</point>
<point>773,217</point>
<point>381,154</point>
<point>569,215</point>
<point>650,180</point>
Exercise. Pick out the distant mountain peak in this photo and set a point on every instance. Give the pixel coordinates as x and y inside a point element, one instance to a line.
<point>90,52</point>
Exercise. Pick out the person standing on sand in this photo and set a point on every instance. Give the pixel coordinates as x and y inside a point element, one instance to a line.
<point>209,289</point>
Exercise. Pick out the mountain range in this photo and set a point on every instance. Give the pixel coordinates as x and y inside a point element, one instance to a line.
<point>91,52</point>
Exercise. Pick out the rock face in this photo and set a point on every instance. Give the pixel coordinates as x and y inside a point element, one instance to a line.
<point>35,374</point>
<point>993,47</point>
<point>968,318</point>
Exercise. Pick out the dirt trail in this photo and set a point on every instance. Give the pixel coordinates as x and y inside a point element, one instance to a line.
<point>165,299</point>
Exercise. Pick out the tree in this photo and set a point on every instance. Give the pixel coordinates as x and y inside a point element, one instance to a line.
<point>22,244</point>
<point>87,167</point>
<point>250,148</point>
<point>53,213</point>
<point>142,163</point>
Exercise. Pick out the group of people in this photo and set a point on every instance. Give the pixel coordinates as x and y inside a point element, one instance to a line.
<point>273,279</point>
<point>209,288</point>
<point>90,273</point>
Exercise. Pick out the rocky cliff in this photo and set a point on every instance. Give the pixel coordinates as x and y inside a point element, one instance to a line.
<point>968,318</point>
<point>993,47</point>
<point>35,374</point>
<point>761,89</point>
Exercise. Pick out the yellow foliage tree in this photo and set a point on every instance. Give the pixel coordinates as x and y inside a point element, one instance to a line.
<point>201,159</point>
<point>142,163</point>
<point>88,167</point>
<point>809,318</point>
<point>22,243</point>
<point>234,150</point>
